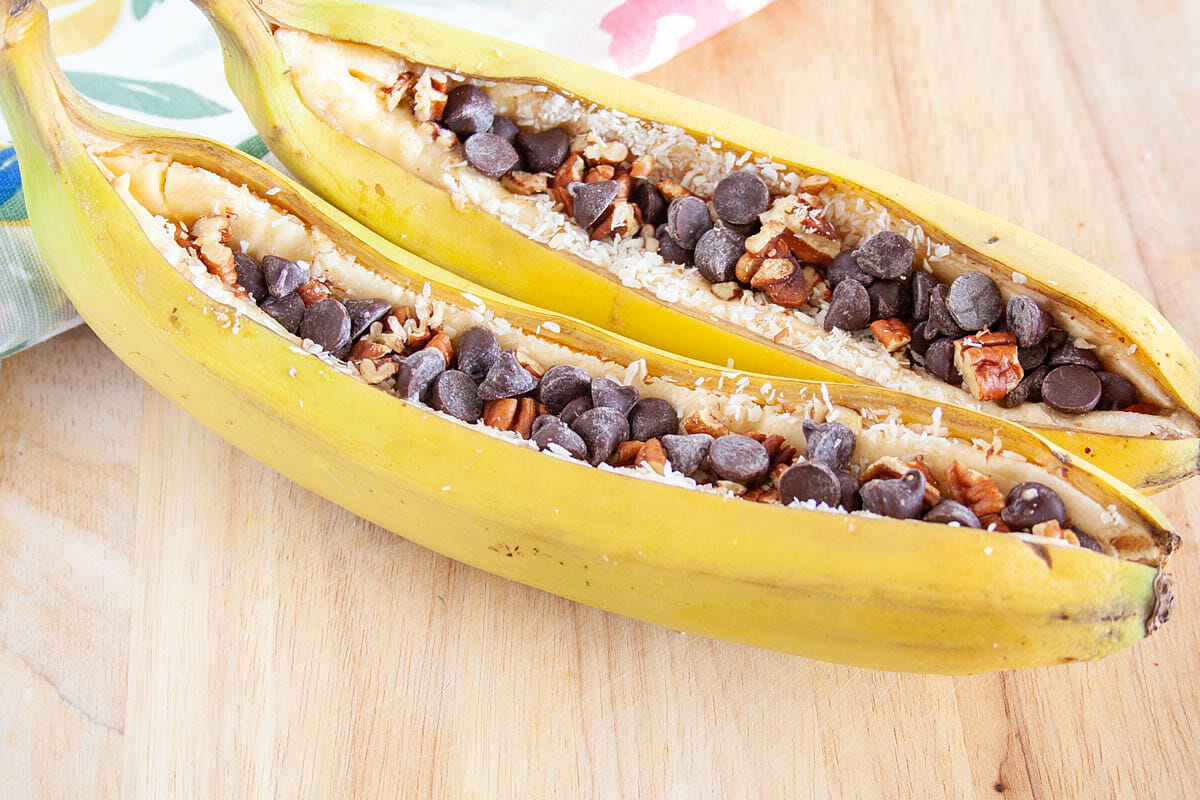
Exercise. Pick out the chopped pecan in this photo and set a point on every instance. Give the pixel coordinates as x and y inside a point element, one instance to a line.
<point>376,371</point>
<point>211,236</point>
<point>988,364</point>
<point>519,182</point>
<point>1052,530</point>
<point>437,134</point>
<point>620,218</point>
<point>672,190</point>
<point>626,452</point>
<point>523,420</point>
<point>603,172</point>
<point>367,349</point>
<point>810,238</point>
<point>893,467</point>
<point>605,152</point>
<point>784,281</point>
<point>814,184</point>
<point>973,489</point>
<point>441,343</point>
<point>510,414</point>
<point>395,93</point>
<point>703,421</point>
<point>430,95</point>
<point>749,263</point>
<point>569,171</point>
<point>762,494</point>
<point>992,522</point>
<point>652,454</point>
<point>892,333</point>
<point>730,290</point>
<point>642,167</point>
<point>624,183</point>
<point>313,291</point>
<point>530,363</point>
<point>564,199</point>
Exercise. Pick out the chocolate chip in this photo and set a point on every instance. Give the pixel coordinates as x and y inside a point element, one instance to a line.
<point>364,314</point>
<point>1026,321</point>
<point>469,110</point>
<point>740,197</point>
<point>849,484</point>
<point>1068,353</point>
<point>608,393</point>
<point>1116,392</point>
<point>941,323</point>
<point>923,287</point>
<point>738,458</point>
<point>1028,390</point>
<point>1029,503</point>
<point>250,276</point>
<point>845,268</point>
<point>545,151</point>
<point>828,443</point>
<point>687,220</point>
<point>591,200</point>
<point>1030,357</point>
<point>717,253</point>
<point>1072,389</point>
<point>561,384</point>
<point>646,196</point>
<point>574,408</point>
<point>417,373</point>
<point>652,418</point>
<point>478,350</point>
<point>287,311</point>
<point>456,394</point>
<point>326,323</point>
<point>490,154</point>
<point>889,299</point>
<point>918,344</point>
<point>506,378</point>
<point>949,511</point>
<point>686,451</point>
<point>669,249</point>
<point>898,498</point>
<point>939,361</point>
<point>849,308</point>
<point>740,230</point>
<point>548,430</point>
<point>601,429</point>
<point>1088,542</point>
<point>506,129</point>
<point>810,481</point>
<point>974,301</point>
<point>885,255</point>
<point>283,276</point>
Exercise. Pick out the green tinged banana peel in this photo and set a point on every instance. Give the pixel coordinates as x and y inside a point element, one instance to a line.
<point>857,590</point>
<point>422,217</point>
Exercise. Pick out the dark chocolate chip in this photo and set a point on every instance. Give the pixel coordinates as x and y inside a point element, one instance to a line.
<point>687,451</point>
<point>549,429</point>
<point>1068,353</point>
<point>601,429</point>
<point>478,350</point>
<point>923,287</point>
<point>652,418</point>
<point>889,299</point>
<point>574,408</point>
<point>1087,542</point>
<point>456,394</point>
<point>1026,321</point>
<point>849,308</point>
<point>1029,503</point>
<point>1031,357</point>
<point>941,323</point>
<point>669,249</point>
<point>717,253</point>
<point>1055,339</point>
<point>845,268</point>
<point>506,129</point>
<point>738,458</point>
<point>591,200</point>
<point>939,361</point>
<point>545,151</point>
<point>490,154</point>
<point>608,393</point>
<point>849,483</point>
<point>646,196</point>
<point>974,301</point>
<point>250,276</point>
<point>364,314</point>
<point>326,323</point>
<point>740,197</point>
<point>283,276</point>
<point>506,378</point>
<point>468,111</point>
<point>687,220</point>
<point>740,230</point>
<point>1116,392</point>
<point>949,511</point>
<point>417,373</point>
<point>810,480</point>
<point>1028,390</point>
<point>561,384</point>
<point>918,344</point>
<point>898,498</point>
<point>287,311</point>
<point>885,255</point>
<point>1072,389</point>
<point>828,443</point>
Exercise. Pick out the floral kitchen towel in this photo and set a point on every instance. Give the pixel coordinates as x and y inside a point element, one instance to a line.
<point>159,61</point>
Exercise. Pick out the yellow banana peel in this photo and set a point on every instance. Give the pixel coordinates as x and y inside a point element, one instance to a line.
<point>846,588</point>
<point>421,216</point>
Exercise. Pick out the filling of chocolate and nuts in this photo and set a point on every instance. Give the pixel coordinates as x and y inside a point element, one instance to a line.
<point>744,239</point>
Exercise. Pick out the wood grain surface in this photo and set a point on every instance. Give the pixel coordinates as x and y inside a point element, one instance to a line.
<point>178,621</point>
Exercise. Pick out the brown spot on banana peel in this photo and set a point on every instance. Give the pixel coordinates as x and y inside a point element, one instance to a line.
<point>1041,552</point>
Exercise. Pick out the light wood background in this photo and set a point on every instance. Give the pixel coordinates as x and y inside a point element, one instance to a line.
<point>178,621</point>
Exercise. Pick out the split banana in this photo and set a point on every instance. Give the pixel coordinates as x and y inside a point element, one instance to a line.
<point>183,255</point>
<point>590,193</point>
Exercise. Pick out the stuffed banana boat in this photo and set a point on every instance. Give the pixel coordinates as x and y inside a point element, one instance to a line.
<point>560,455</point>
<point>703,234</point>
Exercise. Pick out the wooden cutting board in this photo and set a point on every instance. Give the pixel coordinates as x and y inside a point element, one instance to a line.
<point>178,621</point>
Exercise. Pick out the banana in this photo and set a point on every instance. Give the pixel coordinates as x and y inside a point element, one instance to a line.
<point>109,201</point>
<point>322,77</point>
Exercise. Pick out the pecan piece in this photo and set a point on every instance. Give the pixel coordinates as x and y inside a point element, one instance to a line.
<point>1051,529</point>
<point>810,238</point>
<point>624,184</point>
<point>703,421</point>
<point>784,281</point>
<point>602,152</point>
<point>892,333</point>
<point>364,349</point>
<point>211,236</point>
<point>376,371</point>
<point>651,454</point>
<point>430,95</point>
<point>626,452</point>
<point>604,172</point>
<point>569,171</point>
<point>620,218</point>
<point>988,364</point>
<point>762,494</point>
<point>974,490</point>
<point>730,290</point>
<point>399,90</point>
<point>672,190</point>
<point>527,183</point>
<point>313,291</point>
<point>441,343</point>
<point>511,414</point>
<point>642,167</point>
